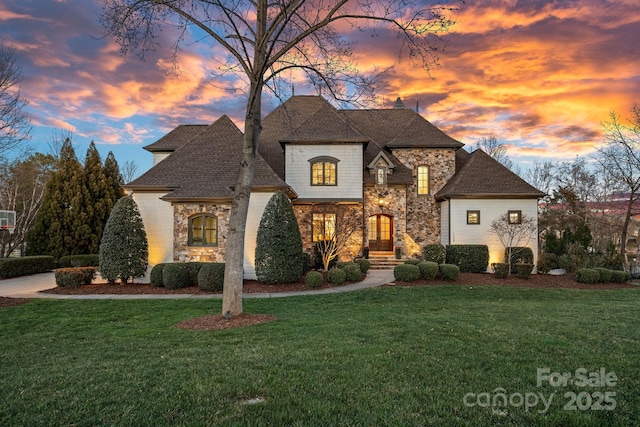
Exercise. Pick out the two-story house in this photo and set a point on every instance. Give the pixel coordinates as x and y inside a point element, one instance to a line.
<point>406,182</point>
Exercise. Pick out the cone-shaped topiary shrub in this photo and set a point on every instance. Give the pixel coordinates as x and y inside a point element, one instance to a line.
<point>278,244</point>
<point>124,248</point>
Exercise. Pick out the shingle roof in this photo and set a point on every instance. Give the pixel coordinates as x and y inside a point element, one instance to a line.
<point>207,166</point>
<point>176,138</point>
<point>483,176</point>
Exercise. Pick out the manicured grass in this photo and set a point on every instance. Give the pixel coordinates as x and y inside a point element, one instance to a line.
<point>384,357</point>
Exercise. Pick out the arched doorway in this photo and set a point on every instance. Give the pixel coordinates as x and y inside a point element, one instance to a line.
<point>380,232</point>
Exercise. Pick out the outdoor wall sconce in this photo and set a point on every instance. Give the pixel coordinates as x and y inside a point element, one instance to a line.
<point>381,201</point>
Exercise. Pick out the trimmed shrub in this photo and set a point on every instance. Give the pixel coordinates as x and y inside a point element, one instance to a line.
<point>412,261</point>
<point>92,260</point>
<point>435,253</point>
<point>587,275</point>
<point>406,273</point>
<point>566,263</point>
<point>449,271</point>
<point>336,276</point>
<point>519,255</point>
<point>428,270</point>
<point>605,274</point>
<point>618,276</point>
<point>175,275</point>
<point>194,267</point>
<point>70,277</point>
<point>500,269</point>
<point>353,271</point>
<point>278,243</point>
<point>313,279</point>
<point>469,258</point>
<point>523,270</point>
<point>547,262</point>
<point>155,277</point>
<point>211,276</point>
<point>24,266</point>
<point>364,264</point>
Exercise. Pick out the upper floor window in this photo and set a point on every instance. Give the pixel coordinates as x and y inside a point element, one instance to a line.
<point>203,230</point>
<point>423,180</point>
<point>515,217</point>
<point>381,175</point>
<point>324,226</point>
<point>324,171</point>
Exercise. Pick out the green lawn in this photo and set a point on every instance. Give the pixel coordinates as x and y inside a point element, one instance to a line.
<point>388,356</point>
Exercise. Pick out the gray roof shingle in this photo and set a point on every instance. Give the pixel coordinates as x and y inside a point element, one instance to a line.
<point>206,167</point>
<point>483,176</point>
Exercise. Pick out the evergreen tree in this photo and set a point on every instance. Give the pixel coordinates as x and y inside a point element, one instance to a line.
<point>124,249</point>
<point>278,244</point>
<point>114,178</point>
<point>61,224</point>
<point>103,194</point>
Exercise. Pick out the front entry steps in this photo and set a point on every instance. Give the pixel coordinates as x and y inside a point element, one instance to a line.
<point>384,260</point>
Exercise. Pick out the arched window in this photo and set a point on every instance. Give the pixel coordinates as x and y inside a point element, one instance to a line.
<point>324,171</point>
<point>203,230</point>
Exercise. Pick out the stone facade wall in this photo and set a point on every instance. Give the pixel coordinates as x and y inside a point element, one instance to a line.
<point>304,215</point>
<point>181,250</point>
<point>423,212</point>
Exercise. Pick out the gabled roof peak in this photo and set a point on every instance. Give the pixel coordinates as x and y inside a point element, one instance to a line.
<point>399,105</point>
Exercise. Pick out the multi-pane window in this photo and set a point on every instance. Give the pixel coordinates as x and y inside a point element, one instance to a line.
<point>324,226</point>
<point>473,217</point>
<point>423,180</point>
<point>324,171</point>
<point>515,217</point>
<point>203,230</point>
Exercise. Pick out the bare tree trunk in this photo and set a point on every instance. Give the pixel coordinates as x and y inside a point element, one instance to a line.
<point>625,227</point>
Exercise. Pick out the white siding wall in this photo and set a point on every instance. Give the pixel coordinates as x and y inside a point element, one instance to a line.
<point>444,222</point>
<point>157,216</point>
<point>158,157</point>
<point>490,209</point>
<point>298,170</point>
<point>257,203</point>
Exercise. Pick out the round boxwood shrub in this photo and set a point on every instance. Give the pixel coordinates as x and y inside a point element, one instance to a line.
<point>587,275</point>
<point>364,264</point>
<point>428,270</point>
<point>313,279</point>
<point>406,273</point>
<point>175,275</point>
<point>618,276</point>
<point>155,277</point>
<point>412,261</point>
<point>353,271</point>
<point>435,253</point>
<point>523,270</point>
<point>449,271</point>
<point>336,276</point>
<point>605,274</point>
<point>211,276</point>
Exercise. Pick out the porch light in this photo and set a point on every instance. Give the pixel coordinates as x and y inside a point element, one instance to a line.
<point>380,201</point>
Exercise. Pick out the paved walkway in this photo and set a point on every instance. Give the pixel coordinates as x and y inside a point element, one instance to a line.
<point>29,287</point>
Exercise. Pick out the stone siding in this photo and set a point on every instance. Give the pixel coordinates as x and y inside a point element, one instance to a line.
<point>423,212</point>
<point>182,252</point>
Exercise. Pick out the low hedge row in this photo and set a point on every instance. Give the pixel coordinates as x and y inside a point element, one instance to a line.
<point>74,277</point>
<point>24,266</point>
<point>469,258</point>
<point>208,276</point>
<point>413,270</point>
<point>601,275</point>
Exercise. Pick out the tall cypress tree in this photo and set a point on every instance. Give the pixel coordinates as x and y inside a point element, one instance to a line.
<point>114,178</point>
<point>61,224</point>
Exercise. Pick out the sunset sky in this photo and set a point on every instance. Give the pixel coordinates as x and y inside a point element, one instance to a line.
<point>539,75</point>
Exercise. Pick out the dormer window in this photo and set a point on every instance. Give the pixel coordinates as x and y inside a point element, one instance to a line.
<point>324,171</point>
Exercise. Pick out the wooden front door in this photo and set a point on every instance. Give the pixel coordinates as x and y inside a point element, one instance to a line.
<point>380,236</point>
